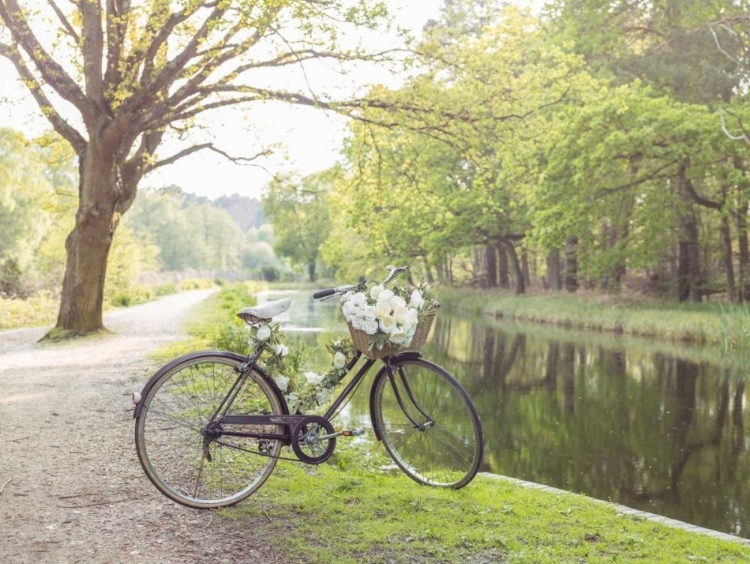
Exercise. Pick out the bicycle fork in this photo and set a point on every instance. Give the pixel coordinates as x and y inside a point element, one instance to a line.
<point>428,421</point>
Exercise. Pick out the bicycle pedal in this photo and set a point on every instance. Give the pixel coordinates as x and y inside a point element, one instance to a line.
<point>353,433</point>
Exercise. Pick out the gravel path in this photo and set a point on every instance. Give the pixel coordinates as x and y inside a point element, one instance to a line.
<point>71,487</point>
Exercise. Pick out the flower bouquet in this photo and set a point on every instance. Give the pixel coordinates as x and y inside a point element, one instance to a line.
<point>385,321</point>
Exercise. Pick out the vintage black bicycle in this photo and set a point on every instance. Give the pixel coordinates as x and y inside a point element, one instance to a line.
<point>210,426</point>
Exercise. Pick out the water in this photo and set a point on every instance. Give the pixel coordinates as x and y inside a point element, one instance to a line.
<point>658,428</point>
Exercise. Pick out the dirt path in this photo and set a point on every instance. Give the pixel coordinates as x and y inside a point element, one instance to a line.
<point>71,488</point>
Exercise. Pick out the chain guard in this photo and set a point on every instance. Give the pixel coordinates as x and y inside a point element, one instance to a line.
<point>304,434</point>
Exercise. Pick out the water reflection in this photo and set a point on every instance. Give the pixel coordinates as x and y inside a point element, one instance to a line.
<point>656,429</point>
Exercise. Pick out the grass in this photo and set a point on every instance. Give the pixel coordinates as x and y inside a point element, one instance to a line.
<point>351,510</point>
<point>706,323</point>
<point>42,308</point>
<point>325,514</point>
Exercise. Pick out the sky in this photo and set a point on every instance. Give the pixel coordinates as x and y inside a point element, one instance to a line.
<point>302,140</point>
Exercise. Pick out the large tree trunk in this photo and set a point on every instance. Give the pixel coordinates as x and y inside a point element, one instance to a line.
<point>553,270</point>
<point>689,270</point>
<point>525,266</point>
<point>517,272</point>
<point>504,279</point>
<point>89,243</point>
<point>726,244</point>
<point>491,264</point>
<point>744,264</point>
<point>571,264</point>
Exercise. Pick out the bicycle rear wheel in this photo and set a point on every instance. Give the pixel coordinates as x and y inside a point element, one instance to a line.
<point>189,465</point>
<point>428,424</point>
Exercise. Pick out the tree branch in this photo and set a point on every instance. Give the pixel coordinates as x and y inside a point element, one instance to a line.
<point>52,73</point>
<point>58,123</point>
<point>64,21</point>
<point>210,146</point>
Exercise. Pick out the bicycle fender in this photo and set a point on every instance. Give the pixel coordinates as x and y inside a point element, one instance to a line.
<point>191,356</point>
<point>383,373</point>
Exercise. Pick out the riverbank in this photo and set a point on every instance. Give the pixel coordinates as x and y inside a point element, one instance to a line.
<point>356,509</point>
<point>706,323</point>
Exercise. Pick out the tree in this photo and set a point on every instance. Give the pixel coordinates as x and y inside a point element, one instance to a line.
<point>113,78</point>
<point>300,216</point>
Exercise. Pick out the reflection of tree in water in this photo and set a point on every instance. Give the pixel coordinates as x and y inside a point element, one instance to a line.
<point>643,428</point>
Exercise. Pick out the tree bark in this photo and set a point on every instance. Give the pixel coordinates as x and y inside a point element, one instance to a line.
<point>726,244</point>
<point>504,279</point>
<point>89,243</point>
<point>553,270</point>
<point>744,263</point>
<point>689,270</point>
<point>517,272</point>
<point>571,264</point>
<point>491,265</point>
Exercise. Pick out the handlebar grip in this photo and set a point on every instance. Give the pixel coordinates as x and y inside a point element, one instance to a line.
<point>324,293</point>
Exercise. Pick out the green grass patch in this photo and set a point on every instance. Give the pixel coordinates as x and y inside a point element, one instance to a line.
<point>706,323</point>
<point>324,514</point>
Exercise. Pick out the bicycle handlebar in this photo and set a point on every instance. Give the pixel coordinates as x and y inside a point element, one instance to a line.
<point>393,271</point>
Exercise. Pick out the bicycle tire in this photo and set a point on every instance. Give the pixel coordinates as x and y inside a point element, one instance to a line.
<point>172,449</point>
<point>446,453</point>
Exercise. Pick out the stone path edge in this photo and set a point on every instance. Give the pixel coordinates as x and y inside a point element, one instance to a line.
<point>624,509</point>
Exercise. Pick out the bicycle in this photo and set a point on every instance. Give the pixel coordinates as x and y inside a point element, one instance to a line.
<point>210,426</point>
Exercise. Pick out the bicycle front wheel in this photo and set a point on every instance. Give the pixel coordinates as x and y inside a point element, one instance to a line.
<point>428,424</point>
<point>186,463</point>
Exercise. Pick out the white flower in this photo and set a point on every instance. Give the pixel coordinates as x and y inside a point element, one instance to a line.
<point>412,317</point>
<point>399,337</point>
<point>264,331</point>
<point>358,322</point>
<point>397,302</point>
<point>339,360</point>
<point>371,312</point>
<point>400,314</point>
<point>313,379</point>
<point>359,300</point>
<point>282,382</point>
<point>348,309</point>
<point>324,395</point>
<point>385,296</point>
<point>416,300</point>
<point>371,326</point>
<point>375,292</point>
<point>382,310</point>
<point>409,329</point>
<point>282,350</point>
<point>387,324</point>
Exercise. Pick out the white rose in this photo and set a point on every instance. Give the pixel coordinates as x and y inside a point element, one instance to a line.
<point>323,395</point>
<point>282,382</point>
<point>385,296</point>
<point>400,314</point>
<point>348,309</point>
<point>358,322</point>
<point>339,360</point>
<point>399,337</point>
<point>371,326</point>
<point>409,329</point>
<point>387,324</point>
<point>416,300</point>
<point>313,379</point>
<point>264,331</point>
<point>375,292</point>
<point>412,316</point>
<point>371,312</point>
<point>359,300</point>
<point>282,350</point>
<point>382,310</point>
<point>397,302</point>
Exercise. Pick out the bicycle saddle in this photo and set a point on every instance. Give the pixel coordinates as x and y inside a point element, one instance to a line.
<point>264,312</point>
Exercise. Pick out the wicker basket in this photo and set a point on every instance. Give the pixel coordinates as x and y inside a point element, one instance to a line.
<point>360,338</point>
